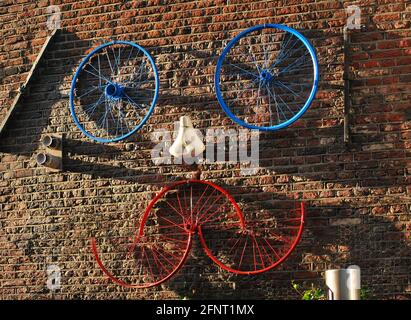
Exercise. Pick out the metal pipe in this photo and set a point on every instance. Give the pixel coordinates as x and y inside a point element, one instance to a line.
<point>52,142</point>
<point>47,160</point>
<point>343,284</point>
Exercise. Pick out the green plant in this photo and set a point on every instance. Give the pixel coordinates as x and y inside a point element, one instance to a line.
<point>311,293</point>
<point>366,293</point>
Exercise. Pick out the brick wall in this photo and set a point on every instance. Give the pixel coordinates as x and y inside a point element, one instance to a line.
<point>358,196</point>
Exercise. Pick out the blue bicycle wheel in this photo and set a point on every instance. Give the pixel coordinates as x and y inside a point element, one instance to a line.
<point>267,77</point>
<point>114,91</point>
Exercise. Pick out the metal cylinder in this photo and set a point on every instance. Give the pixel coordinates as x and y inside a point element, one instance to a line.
<point>52,142</point>
<point>47,160</point>
<point>343,284</point>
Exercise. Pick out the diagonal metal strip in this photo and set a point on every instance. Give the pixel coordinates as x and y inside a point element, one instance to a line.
<point>24,85</point>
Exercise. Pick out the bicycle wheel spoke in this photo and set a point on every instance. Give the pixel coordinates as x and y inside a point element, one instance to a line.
<point>172,223</point>
<point>208,209</point>
<point>295,63</point>
<point>269,106</point>
<point>239,96</point>
<point>265,51</point>
<point>179,205</point>
<point>117,60</point>
<point>92,107</point>
<point>141,72</point>
<point>278,108</point>
<point>284,44</point>
<point>267,255</point>
<point>259,253</point>
<point>286,54</point>
<point>254,254</point>
<point>195,212</point>
<point>208,218</point>
<point>191,205</point>
<point>286,104</point>
<point>243,70</point>
<point>97,76</point>
<point>99,70</point>
<point>109,61</point>
<point>173,239</point>
<point>248,57</point>
<point>242,253</point>
<point>88,92</point>
<point>258,95</point>
<point>129,56</point>
<point>203,205</point>
<point>289,89</point>
<point>272,249</point>
<point>132,101</point>
<point>168,261</point>
<point>174,209</point>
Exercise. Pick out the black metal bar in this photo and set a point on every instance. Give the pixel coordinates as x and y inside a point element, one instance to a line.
<point>347,89</point>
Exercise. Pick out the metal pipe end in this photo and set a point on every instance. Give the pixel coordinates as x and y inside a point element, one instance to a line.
<point>41,158</point>
<point>50,141</point>
<point>47,141</point>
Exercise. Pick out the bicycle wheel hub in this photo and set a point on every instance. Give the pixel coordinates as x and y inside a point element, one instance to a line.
<point>114,91</point>
<point>190,227</point>
<point>265,76</point>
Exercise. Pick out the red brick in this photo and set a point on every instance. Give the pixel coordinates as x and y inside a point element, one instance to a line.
<point>386,54</point>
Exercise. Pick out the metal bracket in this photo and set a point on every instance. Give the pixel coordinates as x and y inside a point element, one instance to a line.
<point>347,83</point>
<point>25,84</point>
<point>52,155</point>
<point>347,100</point>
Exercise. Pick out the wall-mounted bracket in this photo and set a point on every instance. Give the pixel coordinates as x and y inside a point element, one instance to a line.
<point>25,84</point>
<point>52,154</point>
<point>347,84</point>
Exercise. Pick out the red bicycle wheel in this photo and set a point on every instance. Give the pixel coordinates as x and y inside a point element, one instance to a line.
<point>151,254</point>
<point>265,240</point>
<point>164,235</point>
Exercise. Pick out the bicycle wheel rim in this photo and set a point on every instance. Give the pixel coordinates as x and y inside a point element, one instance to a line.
<point>123,283</point>
<point>251,254</point>
<point>309,99</point>
<point>149,109</point>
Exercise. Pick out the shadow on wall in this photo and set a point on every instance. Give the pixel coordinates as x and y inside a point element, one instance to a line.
<point>334,236</point>
<point>45,94</point>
